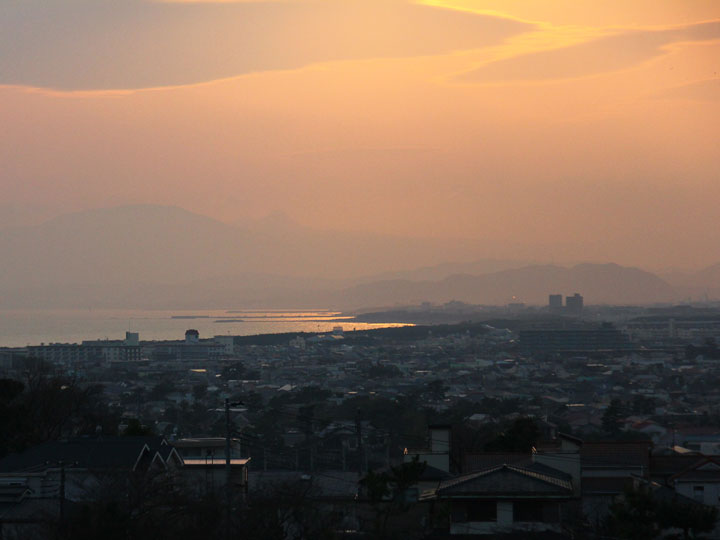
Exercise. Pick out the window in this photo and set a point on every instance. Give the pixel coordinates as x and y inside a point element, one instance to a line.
<point>536,511</point>
<point>699,493</point>
<point>458,512</point>
<point>482,511</point>
<point>463,511</point>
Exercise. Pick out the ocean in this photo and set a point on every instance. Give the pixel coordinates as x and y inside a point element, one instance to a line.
<point>33,327</point>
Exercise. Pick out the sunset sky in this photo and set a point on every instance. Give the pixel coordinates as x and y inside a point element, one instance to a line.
<point>546,129</point>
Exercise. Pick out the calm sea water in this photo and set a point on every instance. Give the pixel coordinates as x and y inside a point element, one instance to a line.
<point>32,327</point>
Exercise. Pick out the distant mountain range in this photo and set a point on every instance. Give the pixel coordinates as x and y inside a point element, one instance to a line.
<point>165,257</point>
<point>698,285</point>
<point>598,283</point>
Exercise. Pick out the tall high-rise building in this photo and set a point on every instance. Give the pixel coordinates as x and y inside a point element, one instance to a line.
<point>555,301</point>
<point>574,303</point>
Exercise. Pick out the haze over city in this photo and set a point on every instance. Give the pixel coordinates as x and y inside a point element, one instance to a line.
<point>545,132</point>
<point>359,269</point>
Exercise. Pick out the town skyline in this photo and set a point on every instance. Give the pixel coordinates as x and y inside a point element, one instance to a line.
<point>359,269</point>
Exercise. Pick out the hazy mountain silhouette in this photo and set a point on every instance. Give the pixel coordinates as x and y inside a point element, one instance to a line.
<point>699,284</point>
<point>445,270</point>
<point>162,256</point>
<point>598,283</point>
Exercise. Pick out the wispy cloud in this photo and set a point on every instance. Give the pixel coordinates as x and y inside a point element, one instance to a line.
<point>601,55</point>
<point>127,44</point>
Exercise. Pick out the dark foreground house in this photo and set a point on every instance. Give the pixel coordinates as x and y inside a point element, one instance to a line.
<point>204,468</point>
<point>504,499</point>
<point>608,467</point>
<point>47,480</point>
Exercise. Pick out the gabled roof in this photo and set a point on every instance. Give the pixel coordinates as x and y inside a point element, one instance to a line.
<point>11,493</point>
<point>664,493</point>
<point>570,438</point>
<point>705,470</point>
<point>665,466</point>
<point>171,456</point>
<point>509,481</point>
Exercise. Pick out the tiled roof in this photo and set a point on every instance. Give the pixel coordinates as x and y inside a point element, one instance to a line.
<point>664,466</point>
<point>505,480</point>
<point>706,469</point>
<point>698,476</point>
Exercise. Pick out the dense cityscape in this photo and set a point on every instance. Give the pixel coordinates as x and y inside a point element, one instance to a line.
<point>534,420</point>
<point>359,269</point>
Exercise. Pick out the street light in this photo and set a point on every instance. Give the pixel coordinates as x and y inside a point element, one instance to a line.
<point>228,488</point>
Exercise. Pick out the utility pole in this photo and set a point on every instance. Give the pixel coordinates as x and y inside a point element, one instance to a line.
<point>228,468</point>
<point>358,431</point>
<point>62,494</point>
<point>228,489</point>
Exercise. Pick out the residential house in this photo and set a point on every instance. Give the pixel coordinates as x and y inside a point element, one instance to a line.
<point>505,499</point>
<point>38,483</point>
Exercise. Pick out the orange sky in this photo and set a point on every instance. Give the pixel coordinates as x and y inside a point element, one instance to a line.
<point>556,130</point>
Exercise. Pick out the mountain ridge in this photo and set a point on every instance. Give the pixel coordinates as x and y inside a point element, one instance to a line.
<point>163,255</point>
<point>598,283</point>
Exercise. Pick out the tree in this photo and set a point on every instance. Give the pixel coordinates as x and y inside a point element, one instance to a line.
<point>235,371</point>
<point>253,401</point>
<point>640,515</point>
<point>381,371</point>
<point>135,428</point>
<point>199,391</point>
<point>692,518</point>
<point>10,390</point>
<point>613,416</point>
<point>643,405</point>
<point>635,516</point>
<point>47,407</point>
<point>288,510</point>
<point>389,493</point>
<point>435,390</point>
<point>142,506</point>
<point>522,436</point>
<point>161,389</point>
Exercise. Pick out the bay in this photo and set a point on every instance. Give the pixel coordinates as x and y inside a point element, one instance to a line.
<point>19,328</point>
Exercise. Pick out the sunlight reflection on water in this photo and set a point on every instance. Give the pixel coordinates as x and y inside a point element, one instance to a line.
<point>23,327</point>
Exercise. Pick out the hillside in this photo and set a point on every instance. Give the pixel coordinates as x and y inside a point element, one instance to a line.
<point>598,283</point>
